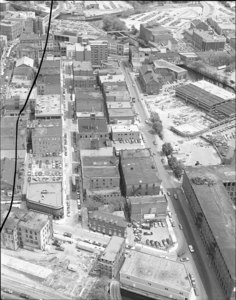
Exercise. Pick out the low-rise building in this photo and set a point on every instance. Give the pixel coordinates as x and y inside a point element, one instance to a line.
<point>125,132</point>
<point>120,115</point>
<point>82,68</point>
<point>46,198</point>
<point>88,101</point>
<point>113,257</point>
<point>145,205</point>
<point>48,107</point>
<point>198,24</point>
<point>169,72</point>
<point>211,194</point>
<point>24,70</point>
<point>115,94</point>
<point>139,175</point>
<point>99,52</point>
<point>155,33</point>
<point>107,223</point>
<point>168,279</point>
<point>188,57</point>
<point>204,94</point>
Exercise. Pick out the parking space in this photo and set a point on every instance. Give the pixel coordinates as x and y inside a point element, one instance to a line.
<point>157,236</point>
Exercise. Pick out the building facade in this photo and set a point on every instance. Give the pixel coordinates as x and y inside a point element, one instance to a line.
<point>113,257</point>
<point>99,52</point>
<point>107,223</point>
<point>207,196</point>
<point>12,29</point>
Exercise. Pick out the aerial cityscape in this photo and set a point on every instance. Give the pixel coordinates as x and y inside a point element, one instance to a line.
<point>118,149</point>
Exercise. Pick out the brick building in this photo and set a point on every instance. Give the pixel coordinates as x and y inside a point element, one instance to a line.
<point>113,257</point>
<point>150,81</point>
<point>12,29</point>
<point>107,223</point>
<point>139,174</point>
<point>210,191</point>
<point>155,33</point>
<point>169,72</point>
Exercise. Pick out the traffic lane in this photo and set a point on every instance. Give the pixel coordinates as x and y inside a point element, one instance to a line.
<point>8,296</point>
<point>207,276</point>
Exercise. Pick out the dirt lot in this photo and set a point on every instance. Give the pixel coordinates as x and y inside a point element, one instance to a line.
<point>61,279</point>
<point>174,112</point>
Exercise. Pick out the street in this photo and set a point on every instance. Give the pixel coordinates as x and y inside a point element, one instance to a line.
<point>207,283</point>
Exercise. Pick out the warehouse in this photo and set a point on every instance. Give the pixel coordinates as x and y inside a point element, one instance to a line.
<point>204,94</point>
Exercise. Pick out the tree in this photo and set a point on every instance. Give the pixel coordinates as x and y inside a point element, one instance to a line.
<point>111,23</point>
<point>155,117</point>
<point>157,128</point>
<point>134,30</point>
<point>172,162</point>
<point>178,170</point>
<point>167,149</point>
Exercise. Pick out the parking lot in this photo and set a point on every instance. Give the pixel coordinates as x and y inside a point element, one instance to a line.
<point>157,236</point>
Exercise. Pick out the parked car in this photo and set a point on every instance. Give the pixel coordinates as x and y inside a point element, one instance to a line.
<point>191,249</point>
<point>56,243</point>
<point>180,227</point>
<point>147,233</point>
<point>183,259</point>
<point>175,197</point>
<point>67,234</point>
<point>60,248</point>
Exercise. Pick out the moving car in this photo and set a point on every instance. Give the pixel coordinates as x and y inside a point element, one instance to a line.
<point>175,196</point>
<point>180,227</point>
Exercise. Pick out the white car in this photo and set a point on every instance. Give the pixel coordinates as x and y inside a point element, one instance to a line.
<point>191,249</point>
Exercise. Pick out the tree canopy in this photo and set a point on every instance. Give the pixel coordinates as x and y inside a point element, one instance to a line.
<point>111,23</point>
<point>167,149</point>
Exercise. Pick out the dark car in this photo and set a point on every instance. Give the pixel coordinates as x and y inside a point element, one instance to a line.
<point>60,248</point>
<point>22,295</point>
<point>56,243</point>
<point>67,234</point>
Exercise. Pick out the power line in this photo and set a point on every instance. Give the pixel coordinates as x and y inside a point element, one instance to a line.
<point>19,115</point>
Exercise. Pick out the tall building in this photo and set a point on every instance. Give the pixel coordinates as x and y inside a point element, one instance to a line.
<point>99,52</point>
<point>211,194</point>
<point>155,277</point>
<point>113,257</point>
<point>155,33</point>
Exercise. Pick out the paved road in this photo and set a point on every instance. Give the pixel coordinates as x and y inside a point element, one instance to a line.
<point>200,262</point>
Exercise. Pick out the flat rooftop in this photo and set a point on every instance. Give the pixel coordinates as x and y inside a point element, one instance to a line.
<point>166,272</point>
<point>120,112</point>
<point>47,194</point>
<point>112,248</point>
<point>87,125</point>
<point>112,78</point>
<point>124,128</point>
<point>22,93</point>
<point>228,108</point>
<point>100,161</point>
<point>108,218</point>
<point>48,105</point>
<point>214,90</point>
<point>118,105</point>
<point>34,221</point>
<point>109,171</point>
<point>159,64</point>
<point>104,151</point>
<point>217,207</point>
<point>142,200</point>
<point>140,170</point>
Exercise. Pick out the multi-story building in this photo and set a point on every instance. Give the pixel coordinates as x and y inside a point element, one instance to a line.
<point>82,68</point>
<point>9,233</point>
<point>198,24</point>
<point>169,72</point>
<point>47,137</point>
<point>48,81</point>
<point>125,132</point>
<point>155,277</point>
<point>222,27</point>
<point>25,229</point>
<point>94,130</point>
<point>46,198</point>
<point>139,175</point>
<point>113,257</point>
<point>204,41</point>
<point>99,52</point>
<point>101,178</point>
<point>118,47</point>
<point>155,33</point>
<point>35,230</point>
<point>107,223</point>
<point>211,191</point>
<point>48,107</point>
<point>150,81</point>
<point>147,205</point>
<point>12,29</point>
